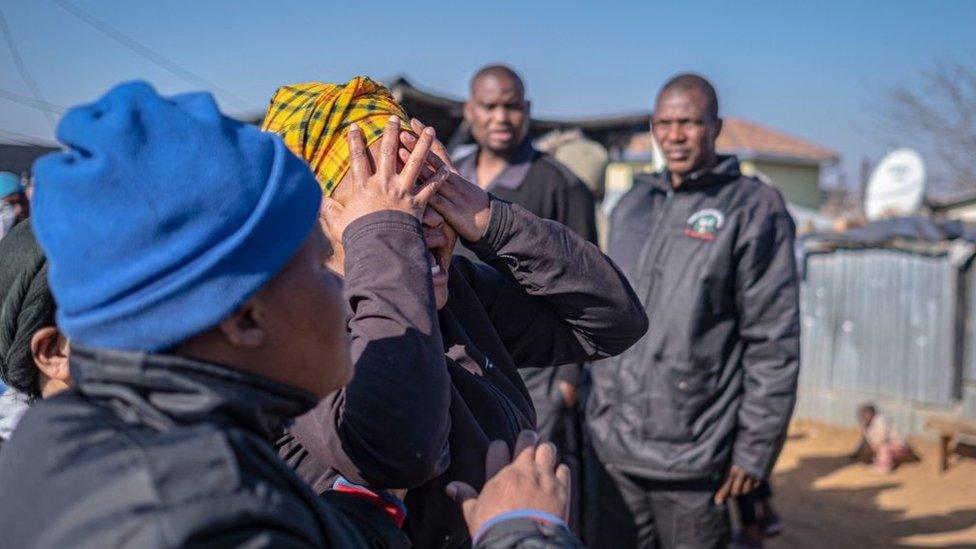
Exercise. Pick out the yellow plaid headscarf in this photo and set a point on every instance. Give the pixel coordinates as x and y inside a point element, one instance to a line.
<point>313,119</point>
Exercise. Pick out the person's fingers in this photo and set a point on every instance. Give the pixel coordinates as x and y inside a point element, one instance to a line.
<point>417,126</point>
<point>408,140</point>
<point>358,162</point>
<point>723,491</point>
<point>464,495</point>
<point>546,456</point>
<point>427,169</point>
<point>737,482</point>
<point>564,477</point>
<point>496,458</point>
<point>388,148</point>
<point>431,187</point>
<point>441,205</point>
<point>460,491</point>
<point>404,154</point>
<point>329,212</point>
<point>416,160</point>
<point>438,149</point>
<point>525,446</point>
<point>451,185</point>
<point>438,154</point>
<point>566,481</point>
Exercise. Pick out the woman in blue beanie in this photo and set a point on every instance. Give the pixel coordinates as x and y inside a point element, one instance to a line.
<point>200,325</point>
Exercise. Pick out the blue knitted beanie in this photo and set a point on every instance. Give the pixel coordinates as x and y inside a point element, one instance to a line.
<point>164,216</point>
<point>9,184</point>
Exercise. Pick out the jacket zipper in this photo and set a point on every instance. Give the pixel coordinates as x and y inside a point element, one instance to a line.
<point>655,244</point>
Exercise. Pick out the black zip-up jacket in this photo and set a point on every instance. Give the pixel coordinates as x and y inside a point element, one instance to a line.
<point>152,450</point>
<point>545,297</point>
<point>162,451</point>
<point>714,379</point>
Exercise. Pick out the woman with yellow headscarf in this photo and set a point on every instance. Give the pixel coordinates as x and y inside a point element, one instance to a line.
<point>425,423</point>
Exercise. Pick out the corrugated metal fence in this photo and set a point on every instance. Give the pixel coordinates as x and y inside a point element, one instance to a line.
<point>889,325</point>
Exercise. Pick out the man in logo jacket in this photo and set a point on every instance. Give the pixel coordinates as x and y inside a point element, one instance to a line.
<point>698,409</point>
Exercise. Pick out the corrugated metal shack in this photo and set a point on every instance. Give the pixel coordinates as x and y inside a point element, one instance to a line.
<point>888,315</point>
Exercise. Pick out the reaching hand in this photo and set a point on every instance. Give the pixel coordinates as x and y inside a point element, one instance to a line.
<point>461,203</point>
<point>737,482</point>
<point>532,481</point>
<point>383,189</point>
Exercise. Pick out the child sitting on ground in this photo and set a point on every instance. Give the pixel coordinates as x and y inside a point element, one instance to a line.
<point>881,443</point>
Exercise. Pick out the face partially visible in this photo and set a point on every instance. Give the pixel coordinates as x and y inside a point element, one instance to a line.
<point>498,113</point>
<point>441,239</point>
<point>685,130</point>
<point>20,205</point>
<point>305,321</point>
<point>439,236</point>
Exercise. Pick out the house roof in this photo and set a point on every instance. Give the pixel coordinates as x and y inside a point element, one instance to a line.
<point>751,141</point>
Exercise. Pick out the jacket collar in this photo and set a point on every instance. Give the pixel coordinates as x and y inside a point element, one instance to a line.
<point>725,169</point>
<point>512,176</point>
<point>164,391</point>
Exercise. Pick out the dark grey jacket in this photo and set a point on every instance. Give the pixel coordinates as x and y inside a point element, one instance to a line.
<point>543,297</point>
<point>714,379</point>
<point>162,451</point>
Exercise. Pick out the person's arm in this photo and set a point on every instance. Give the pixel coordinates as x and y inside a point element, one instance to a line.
<point>388,427</point>
<point>767,297</point>
<point>562,299</point>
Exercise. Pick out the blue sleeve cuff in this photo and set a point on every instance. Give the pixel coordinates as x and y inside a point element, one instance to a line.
<point>534,515</point>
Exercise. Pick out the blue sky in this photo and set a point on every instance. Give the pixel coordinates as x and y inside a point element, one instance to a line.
<point>813,69</point>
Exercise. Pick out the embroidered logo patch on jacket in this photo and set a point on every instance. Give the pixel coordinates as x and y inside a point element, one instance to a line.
<point>703,224</point>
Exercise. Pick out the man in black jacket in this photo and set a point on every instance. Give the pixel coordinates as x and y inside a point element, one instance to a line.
<point>200,324</point>
<point>697,411</point>
<point>507,165</point>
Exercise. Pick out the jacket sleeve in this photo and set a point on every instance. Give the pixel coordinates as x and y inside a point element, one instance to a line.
<point>767,297</point>
<point>577,211</point>
<point>388,428</point>
<point>527,534</point>
<point>552,297</point>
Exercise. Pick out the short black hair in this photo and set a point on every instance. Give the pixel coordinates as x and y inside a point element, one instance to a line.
<point>867,407</point>
<point>690,81</point>
<point>499,71</point>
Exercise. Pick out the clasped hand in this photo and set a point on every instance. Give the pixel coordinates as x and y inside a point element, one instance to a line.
<point>411,173</point>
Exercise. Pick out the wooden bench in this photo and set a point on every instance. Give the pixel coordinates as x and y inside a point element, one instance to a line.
<point>949,429</point>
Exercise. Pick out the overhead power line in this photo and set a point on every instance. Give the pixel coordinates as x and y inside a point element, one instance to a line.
<point>24,139</point>
<point>22,69</point>
<point>149,53</point>
<point>31,102</point>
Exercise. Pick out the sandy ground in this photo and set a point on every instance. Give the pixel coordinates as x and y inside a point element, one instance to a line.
<point>827,501</point>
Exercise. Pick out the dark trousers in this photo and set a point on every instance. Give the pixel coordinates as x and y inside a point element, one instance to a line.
<point>624,511</point>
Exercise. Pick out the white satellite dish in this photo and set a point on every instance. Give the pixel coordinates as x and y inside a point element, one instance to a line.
<point>896,187</point>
